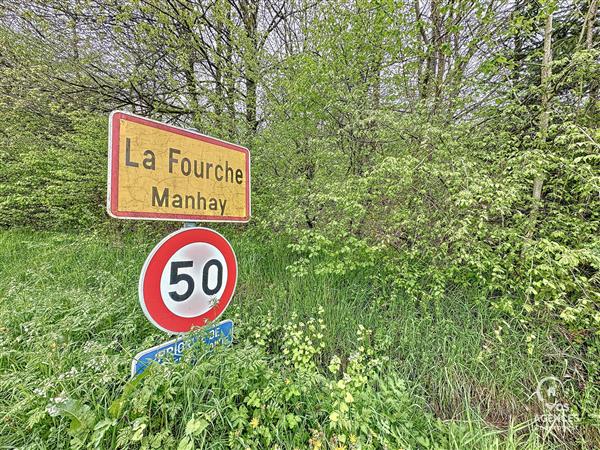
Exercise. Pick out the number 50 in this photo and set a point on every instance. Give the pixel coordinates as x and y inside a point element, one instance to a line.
<point>177,277</point>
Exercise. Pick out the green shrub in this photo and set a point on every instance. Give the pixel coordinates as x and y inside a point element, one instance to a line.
<point>54,181</point>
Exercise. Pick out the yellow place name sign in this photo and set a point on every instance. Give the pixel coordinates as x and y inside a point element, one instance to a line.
<point>158,171</point>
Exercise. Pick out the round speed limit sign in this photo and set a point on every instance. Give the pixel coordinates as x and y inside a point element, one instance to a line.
<point>188,279</point>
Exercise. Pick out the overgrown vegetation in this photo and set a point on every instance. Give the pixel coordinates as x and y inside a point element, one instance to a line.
<point>435,162</point>
<point>316,362</point>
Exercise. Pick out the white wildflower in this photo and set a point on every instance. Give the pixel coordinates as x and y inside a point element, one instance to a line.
<point>52,410</point>
<point>40,392</point>
<point>58,400</point>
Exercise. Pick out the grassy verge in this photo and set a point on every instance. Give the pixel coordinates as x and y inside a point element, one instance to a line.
<point>452,375</point>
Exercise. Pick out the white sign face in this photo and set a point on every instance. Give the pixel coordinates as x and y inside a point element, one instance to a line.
<point>193,279</point>
<point>188,280</point>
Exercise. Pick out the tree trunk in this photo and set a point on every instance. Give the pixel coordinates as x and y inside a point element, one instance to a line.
<point>422,68</point>
<point>589,24</point>
<point>192,87</point>
<point>589,45</point>
<point>538,182</point>
<point>229,76</point>
<point>439,37</point>
<point>249,10</point>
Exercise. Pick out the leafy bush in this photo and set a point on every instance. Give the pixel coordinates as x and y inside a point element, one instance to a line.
<point>55,180</point>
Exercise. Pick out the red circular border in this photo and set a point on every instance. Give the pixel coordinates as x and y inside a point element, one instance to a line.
<point>153,303</point>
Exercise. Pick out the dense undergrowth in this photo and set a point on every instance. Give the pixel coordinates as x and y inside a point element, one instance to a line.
<point>320,361</point>
<point>426,170</point>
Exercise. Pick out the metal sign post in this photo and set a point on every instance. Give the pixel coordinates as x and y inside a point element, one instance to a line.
<point>158,171</point>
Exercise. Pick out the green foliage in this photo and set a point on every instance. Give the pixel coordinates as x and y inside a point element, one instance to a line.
<point>394,148</point>
<point>434,205</point>
<point>53,178</point>
<point>305,376</point>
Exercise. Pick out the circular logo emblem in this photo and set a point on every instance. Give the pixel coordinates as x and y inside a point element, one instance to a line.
<point>187,280</point>
<point>548,391</point>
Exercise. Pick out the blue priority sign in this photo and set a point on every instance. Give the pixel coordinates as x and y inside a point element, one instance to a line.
<point>217,334</point>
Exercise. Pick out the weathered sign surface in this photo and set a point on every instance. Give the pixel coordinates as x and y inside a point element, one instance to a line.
<point>175,349</point>
<point>188,280</point>
<point>158,171</point>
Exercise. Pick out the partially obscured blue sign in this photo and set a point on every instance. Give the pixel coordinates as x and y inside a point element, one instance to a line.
<point>173,350</point>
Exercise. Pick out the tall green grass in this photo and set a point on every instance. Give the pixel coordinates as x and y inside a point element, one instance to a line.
<point>71,323</point>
